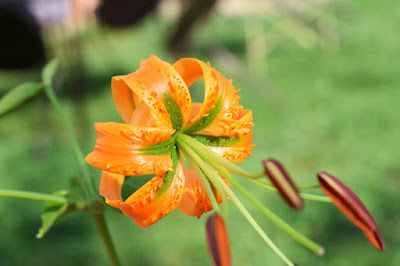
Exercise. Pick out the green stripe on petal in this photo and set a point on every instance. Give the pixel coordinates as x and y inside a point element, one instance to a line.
<point>205,121</point>
<point>173,110</point>
<point>217,141</point>
<point>161,148</point>
<point>169,176</point>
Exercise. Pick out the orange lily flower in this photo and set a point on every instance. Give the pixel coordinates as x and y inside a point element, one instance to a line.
<point>162,124</point>
<point>156,105</point>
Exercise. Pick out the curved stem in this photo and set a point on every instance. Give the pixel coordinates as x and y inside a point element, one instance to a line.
<point>303,195</point>
<point>200,147</point>
<point>31,195</point>
<point>88,187</point>
<point>105,235</point>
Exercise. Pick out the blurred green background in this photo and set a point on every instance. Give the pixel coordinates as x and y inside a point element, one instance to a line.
<point>322,79</point>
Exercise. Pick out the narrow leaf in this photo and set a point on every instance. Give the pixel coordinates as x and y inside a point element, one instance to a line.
<point>218,242</point>
<point>52,212</point>
<point>49,71</point>
<point>352,207</point>
<point>282,181</point>
<point>18,96</point>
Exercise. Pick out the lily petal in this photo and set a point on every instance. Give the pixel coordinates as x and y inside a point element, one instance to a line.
<point>352,207</point>
<point>191,70</point>
<point>148,204</point>
<point>140,96</point>
<point>218,242</point>
<point>231,120</point>
<point>195,201</point>
<point>131,150</point>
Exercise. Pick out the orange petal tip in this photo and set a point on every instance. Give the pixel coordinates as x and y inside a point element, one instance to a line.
<point>352,207</point>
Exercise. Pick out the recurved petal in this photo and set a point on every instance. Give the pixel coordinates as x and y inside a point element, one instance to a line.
<point>352,207</point>
<point>191,70</point>
<point>147,96</point>
<point>218,241</point>
<point>231,119</point>
<point>131,150</point>
<point>154,200</point>
<point>226,117</point>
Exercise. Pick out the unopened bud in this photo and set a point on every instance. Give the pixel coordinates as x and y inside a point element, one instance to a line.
<point>282,181</point>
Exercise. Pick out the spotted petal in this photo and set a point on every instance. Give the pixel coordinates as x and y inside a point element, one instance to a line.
<point>154,95</point>
<point>131,150</point>
<point>191,70</point>
<point>154,200</point>
<point>195,201</point>
<point>220,114</point>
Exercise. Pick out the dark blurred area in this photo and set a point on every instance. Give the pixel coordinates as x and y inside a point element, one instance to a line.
<point>22,45</point>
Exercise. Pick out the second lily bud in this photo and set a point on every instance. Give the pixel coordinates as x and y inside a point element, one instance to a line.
<point>282,181</point>
<point>218,241</point>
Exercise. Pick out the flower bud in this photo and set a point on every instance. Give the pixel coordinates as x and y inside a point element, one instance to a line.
<point>218,242</point>
<point>352,207</point>
<point>282,181</point>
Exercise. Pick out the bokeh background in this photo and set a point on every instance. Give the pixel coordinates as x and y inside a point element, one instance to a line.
<point>321,76</point>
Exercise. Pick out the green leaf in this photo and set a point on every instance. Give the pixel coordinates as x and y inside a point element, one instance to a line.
<point>49,71</point>
<point>18,96</point>
<point>52,212</point>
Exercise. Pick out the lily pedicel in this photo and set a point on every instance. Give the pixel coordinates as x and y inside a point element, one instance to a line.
<point>163,126</point>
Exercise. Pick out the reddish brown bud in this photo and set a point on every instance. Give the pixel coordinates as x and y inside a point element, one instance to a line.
<point>218,242</point>
<point>352,207</point>
<point>282,181</point>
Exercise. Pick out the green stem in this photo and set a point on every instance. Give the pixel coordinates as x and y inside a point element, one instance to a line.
<point>31,195</point>
<point>308,187</point>
<point>105,235</point>
<point>88,185</point>
<point>210,173</point>
<point>303,195</point>
<point>201,148</point>
<point>204,181</point>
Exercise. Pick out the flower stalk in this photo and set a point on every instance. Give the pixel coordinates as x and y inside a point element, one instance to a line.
<point>105,235</point>
<point>88,182</point>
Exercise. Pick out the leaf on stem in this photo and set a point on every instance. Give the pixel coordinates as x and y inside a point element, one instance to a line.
<point>49,71</point>
<point>74,201</point>
<point>18,96</point>
<point>352,207</point>
<point>52,212</point>
<point>218,242</point>
<point>282,181</point>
